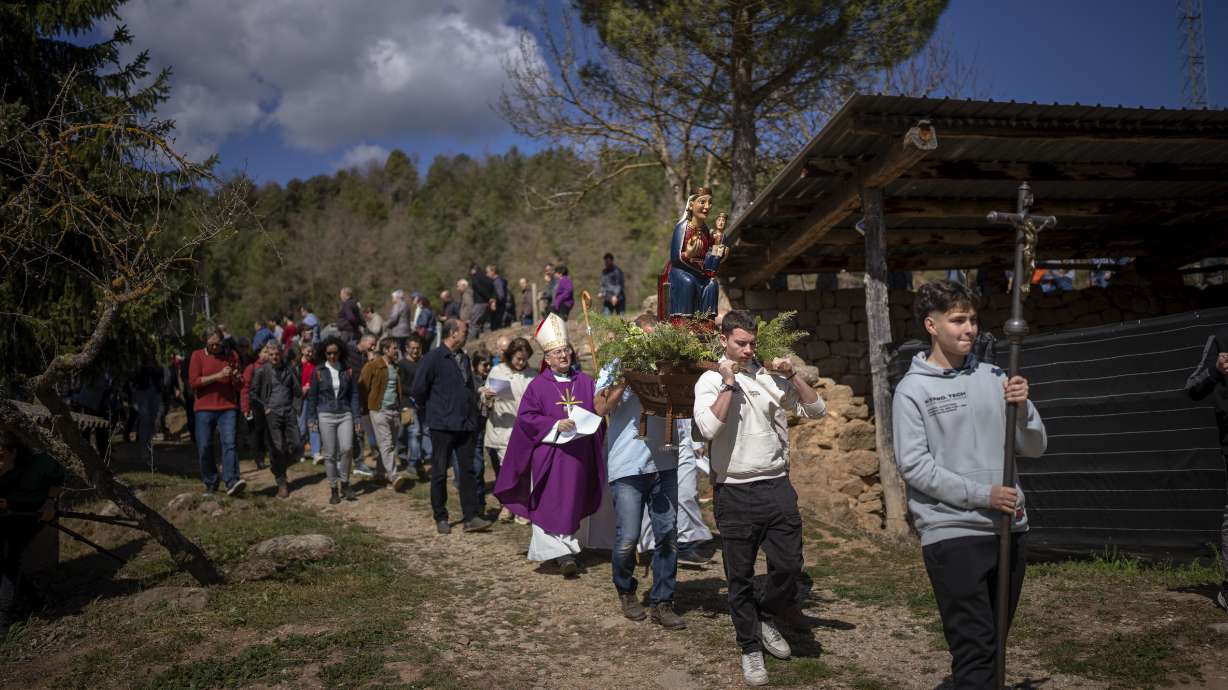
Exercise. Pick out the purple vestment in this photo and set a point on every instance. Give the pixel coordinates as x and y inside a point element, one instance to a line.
<point>566,479</point>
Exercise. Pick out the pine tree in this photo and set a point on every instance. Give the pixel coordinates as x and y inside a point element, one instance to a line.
<point>49,70</point>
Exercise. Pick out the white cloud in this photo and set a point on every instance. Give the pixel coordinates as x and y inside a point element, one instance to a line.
<point>326,73</point>
<point>363,155</point>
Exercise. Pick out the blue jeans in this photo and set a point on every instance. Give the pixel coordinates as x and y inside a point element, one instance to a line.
<point>302,433</point>
<point>416,443</point>
<point>224,421</point>
<point>660,493</point>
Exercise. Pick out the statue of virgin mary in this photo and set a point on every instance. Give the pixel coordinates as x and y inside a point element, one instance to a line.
<point>688,284</point>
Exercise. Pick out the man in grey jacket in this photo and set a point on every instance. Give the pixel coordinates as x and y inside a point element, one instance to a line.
<point>276,388</point>
<point>400,323</point>
<point>949,419</point>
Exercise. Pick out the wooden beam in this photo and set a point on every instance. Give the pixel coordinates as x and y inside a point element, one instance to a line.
<point>867,124</point>
<point>878,330</point>
<point>1066,171</point>
<point>961,170</point>
<point>883,168</point>
<point>928,207</point>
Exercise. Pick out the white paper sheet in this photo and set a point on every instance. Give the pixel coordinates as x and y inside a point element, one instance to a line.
<point>501,387</point>
<point>587,424</point>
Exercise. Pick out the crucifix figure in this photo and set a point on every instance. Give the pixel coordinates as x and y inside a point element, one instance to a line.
<point>1027,226</point>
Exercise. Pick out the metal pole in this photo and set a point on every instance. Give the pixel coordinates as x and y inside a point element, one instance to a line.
<point>1026,227</point>
<point>1015,328</point>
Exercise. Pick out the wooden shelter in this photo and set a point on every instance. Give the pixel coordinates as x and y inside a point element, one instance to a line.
<point>897,183</point>
<point>1146,183</point>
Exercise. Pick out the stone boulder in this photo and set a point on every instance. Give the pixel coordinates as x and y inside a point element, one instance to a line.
<point>181,502</point>
<point>863,463</point>
<point>294,547</point>
<point>857,434</point>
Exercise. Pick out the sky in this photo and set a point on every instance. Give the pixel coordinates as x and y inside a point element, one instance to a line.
<point>284,89</point>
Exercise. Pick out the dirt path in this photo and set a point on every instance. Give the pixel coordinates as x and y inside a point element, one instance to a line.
<point>526,626</point>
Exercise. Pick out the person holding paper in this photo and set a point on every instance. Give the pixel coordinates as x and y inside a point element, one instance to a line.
<point>554,466</point>
<point>503,392</point>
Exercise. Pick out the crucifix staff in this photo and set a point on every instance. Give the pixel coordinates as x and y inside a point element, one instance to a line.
<point>1026,228</point>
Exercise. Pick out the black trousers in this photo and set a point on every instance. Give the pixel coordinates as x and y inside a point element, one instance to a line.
<point>750,516</point>
<point>16,533</point>
<point>258,428</point>
<point>964,574</point>
<point>443,443</point>
<point>281,430</point>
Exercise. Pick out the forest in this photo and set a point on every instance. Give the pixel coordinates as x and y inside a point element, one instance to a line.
<point>387,227</point>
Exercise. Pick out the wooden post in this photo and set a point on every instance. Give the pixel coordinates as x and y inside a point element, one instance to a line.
<point>878,327</point>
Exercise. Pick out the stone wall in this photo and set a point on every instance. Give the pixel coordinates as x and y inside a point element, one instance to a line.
<point>833,462</point>
<point>836,319</point>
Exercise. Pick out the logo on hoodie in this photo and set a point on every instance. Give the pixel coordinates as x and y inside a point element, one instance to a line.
<point>945,403</point>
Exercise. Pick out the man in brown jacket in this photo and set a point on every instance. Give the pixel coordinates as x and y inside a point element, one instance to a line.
<point>379,396</point>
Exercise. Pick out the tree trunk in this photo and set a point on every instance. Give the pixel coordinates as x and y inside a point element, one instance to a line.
<point>78,454</point>
<point>742,117</point>
<point>878,327</point>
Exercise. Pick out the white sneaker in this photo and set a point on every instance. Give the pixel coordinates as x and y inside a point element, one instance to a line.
<point>772,641</point>
<point>753,670</point>
<point>316,460</point>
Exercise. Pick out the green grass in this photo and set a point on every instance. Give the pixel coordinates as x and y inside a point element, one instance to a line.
<point>1112,618</point>
<point>346,614</point>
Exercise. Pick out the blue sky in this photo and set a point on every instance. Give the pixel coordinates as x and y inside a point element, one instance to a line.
<point>282,95</point>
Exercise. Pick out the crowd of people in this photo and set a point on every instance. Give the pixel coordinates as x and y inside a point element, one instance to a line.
<point>571,458</point>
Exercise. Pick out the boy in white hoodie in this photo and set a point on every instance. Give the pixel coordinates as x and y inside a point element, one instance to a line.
<point>743,410</point>
<point>949,419</point>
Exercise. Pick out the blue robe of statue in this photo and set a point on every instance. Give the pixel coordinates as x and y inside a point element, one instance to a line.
<point>692,287</point>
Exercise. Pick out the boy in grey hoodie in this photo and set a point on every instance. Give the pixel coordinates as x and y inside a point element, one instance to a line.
<point>949,419</point>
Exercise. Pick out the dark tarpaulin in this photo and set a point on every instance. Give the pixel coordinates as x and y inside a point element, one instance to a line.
<point>1132,463</point>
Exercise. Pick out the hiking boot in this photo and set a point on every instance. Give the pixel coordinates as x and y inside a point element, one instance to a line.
<point>632,609</point>
<point>283,491</point>
<point>773,642</point>
<point>423,475</point>
<point>753,670</point>
<point>237,488</point>
<point>692,556</point>
<point>569,567</point>
<point>334,497</point>
<point>443,527</point>
<point>477,524</point>
<point>347,492</point>
<point>663,615</point>
<point>401,483</point>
